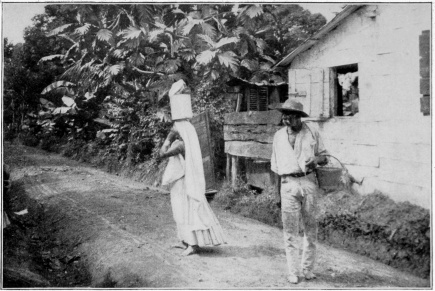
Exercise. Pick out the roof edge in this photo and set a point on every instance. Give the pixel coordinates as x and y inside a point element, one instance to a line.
<point>348,10</point>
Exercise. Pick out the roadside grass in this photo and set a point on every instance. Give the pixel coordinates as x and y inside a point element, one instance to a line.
<point>33,255</point>
<point>395,233</point>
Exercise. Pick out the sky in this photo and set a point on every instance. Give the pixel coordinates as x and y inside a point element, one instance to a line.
<point>17,16</point>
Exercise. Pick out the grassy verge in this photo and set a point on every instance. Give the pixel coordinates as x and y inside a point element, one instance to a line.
<point>33,255</point>
<point>397,234</point>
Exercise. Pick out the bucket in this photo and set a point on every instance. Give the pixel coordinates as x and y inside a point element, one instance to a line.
<point>329,178</point>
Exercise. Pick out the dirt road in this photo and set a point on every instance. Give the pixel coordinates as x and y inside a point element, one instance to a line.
<point>125,230</point>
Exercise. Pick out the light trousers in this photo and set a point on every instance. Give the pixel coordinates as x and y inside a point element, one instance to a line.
<point>299,204</point>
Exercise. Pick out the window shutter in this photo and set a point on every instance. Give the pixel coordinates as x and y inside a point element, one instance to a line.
<point>425,72</point>
<point>307,87</point>
<point>263,98</point>
<point>252,99</point>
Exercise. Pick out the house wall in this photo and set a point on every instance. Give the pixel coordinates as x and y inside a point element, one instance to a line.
<point>389,141</point>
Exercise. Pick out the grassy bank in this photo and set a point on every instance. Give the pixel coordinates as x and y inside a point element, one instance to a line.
<point>397,234</point>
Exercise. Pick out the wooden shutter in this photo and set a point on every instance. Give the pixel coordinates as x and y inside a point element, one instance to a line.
<point>258,98</point>
<point>252,99</point>
<point>263,98</point>
<point>425,72</point>
<point>310,87</point>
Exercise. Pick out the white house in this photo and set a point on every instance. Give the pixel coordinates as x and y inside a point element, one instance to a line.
<point>381,128</point>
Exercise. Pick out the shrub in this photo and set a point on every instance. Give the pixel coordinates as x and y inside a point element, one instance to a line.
<point>28,139</point>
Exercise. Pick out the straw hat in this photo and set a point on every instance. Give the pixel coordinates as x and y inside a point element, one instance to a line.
<point>291,106</point>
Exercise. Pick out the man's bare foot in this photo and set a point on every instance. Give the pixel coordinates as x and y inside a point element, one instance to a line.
<point>309,275</point>
<point>190,251</point>
<point>293,279</point>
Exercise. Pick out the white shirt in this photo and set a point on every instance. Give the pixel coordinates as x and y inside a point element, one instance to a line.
<point>285,159</point>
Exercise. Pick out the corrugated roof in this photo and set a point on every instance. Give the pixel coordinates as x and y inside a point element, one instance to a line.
<point>348,10</point>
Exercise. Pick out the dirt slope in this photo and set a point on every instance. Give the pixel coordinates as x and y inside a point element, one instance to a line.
<point>125,230</point>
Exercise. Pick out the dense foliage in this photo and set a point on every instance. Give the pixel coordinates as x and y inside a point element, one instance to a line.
<point>102,72</point>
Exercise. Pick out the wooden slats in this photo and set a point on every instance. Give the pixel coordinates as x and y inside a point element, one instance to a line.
<point>254,117</point>
<point>249,149</point>
<point>201,124</point>
<point>250,132</point>
<point>263,99</point>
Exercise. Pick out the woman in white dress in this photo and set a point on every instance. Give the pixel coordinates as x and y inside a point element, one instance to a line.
<point>196,223</point>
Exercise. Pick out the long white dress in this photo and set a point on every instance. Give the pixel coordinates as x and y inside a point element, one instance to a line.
<point>196,222</point>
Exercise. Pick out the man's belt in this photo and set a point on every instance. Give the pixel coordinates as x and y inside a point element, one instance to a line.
<point>298,175</point>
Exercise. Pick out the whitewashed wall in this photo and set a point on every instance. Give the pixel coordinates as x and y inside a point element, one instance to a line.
<point>389,141</point>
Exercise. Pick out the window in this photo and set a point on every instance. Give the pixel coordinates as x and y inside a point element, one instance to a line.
<point>346,97</point>
<point>258,98</point>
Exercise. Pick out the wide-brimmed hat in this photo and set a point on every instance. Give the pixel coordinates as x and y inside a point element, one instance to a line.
<point>290,106</point>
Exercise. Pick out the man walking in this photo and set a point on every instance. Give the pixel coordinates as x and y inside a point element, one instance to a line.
<point>297,149</point>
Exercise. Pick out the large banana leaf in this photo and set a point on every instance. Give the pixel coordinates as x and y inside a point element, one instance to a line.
<point>57,85</point>
<point>52,57</point>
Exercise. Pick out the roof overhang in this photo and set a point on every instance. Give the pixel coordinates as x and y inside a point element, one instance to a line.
<point>348,10</point>
<point>236,81</point>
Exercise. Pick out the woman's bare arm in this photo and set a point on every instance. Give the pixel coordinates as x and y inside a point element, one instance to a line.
<point>168,150</point>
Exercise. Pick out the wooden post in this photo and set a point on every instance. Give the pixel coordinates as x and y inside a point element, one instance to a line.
<point>228,173</point>
<point>234,170</point>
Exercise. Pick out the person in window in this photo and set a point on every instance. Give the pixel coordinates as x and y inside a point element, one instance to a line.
<point>297,149</point>
<point>196,223</point>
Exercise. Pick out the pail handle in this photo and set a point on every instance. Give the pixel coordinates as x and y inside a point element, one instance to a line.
<point>336,159</point>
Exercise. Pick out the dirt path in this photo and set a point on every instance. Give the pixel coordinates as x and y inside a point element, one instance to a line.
<point>125,229</point>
